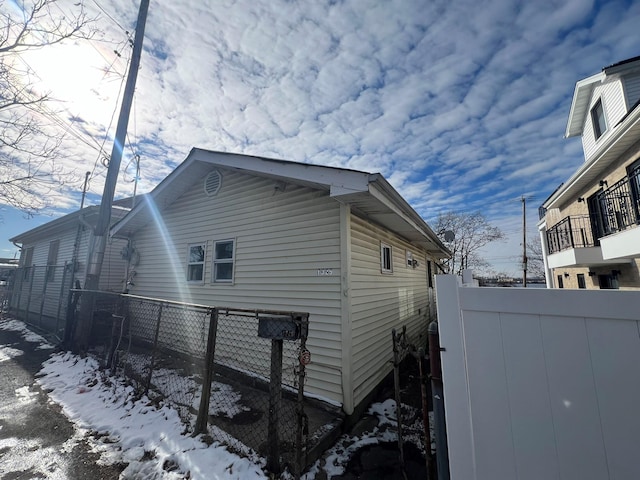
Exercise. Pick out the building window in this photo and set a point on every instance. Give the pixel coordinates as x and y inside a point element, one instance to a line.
<point>26,264</point>
<point>608,282</point>
<point>386,258</point>
<point>429,274</point>
<point>223,259</point>
<point>195,262</point>
<point>560,282</point>
<point>52,259</point>
<point>409,259</point>
<point>598,119</point>
<point>581,281</point>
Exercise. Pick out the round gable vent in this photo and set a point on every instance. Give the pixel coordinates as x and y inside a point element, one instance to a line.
<point>212,183</point>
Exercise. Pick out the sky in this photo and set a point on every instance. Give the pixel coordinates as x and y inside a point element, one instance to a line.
<point>461,105</point>
<point>122,428</point>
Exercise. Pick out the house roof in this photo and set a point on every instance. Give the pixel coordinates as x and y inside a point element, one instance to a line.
<point>584,89</point>
<point>369,194</point>
<point>62,224</point>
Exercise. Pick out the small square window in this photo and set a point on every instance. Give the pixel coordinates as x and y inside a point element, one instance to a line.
<point>598,119</point>
<point>195,263</point>
<point>386,258</point>
<point>223,260</point>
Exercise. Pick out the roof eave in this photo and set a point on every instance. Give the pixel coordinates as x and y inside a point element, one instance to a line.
<point>580,104</point>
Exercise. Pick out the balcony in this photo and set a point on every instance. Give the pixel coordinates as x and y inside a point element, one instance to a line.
<point>610,234</point>
<point>571,243</point>
<point>619,207</point>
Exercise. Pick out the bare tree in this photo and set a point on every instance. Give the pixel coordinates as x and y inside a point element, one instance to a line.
<point>535,262</point>
<point>29,146</point>
<point>471,232</point>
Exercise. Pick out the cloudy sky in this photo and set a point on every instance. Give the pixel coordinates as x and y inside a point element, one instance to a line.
<point>462,105</point>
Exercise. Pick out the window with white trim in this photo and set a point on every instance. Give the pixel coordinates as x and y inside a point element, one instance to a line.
<point>598,119</point>
<point>409,259</point>
<point>195,262</point>
<point>27,262</point>
<point>223,260</point>
<point>386,258</point>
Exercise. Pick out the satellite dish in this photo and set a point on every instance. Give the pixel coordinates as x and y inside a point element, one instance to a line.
<point>449,236</point>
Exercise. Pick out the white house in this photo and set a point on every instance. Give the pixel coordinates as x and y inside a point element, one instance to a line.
<point>53,257</point>
<point>249,232</point>
<point>590,226</point>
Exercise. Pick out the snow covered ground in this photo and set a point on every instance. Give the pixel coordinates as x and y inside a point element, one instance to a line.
<point>150,439</point>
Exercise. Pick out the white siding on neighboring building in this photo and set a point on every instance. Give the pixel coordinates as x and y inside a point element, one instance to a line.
<point>381,302</point>
<point>615,107</point>
<point>632,88</point>
<point>282,238</point>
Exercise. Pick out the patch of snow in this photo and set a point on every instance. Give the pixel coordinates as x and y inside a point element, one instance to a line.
<point>7,353</point>
<point>28,335</point>
<point>149,438</point>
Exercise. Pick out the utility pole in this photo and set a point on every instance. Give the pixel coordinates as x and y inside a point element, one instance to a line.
<point>101,230</point>
<point>524,241</point>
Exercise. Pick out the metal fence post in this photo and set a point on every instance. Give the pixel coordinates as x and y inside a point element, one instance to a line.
<point>303,421</point>
<point>205,398</point>
<point>153,352</point>
<point>61,298</point>
<point>275,394</point>
<point>442,449</point>
<point>30,273</point>
<point>44,293</point>
<point>397,358</point>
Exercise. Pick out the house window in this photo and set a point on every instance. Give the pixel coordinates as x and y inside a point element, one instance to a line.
<point>26,264</point>
<point>386,258</point>
<point>52,259</point>
<point>581,281</point>
<point>598,119</point>
<point>223,259</point>
<point>195,262</point>
<point>409,259</point>
<point>608,282</point>
<point>429,274</point>
<point>560,282</point>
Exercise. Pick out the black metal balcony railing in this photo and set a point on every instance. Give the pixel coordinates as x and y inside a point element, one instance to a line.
<point>570,232</point>
<point>615,209</point>
<point>619,205</point>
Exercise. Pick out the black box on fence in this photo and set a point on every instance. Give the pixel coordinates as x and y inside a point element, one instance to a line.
<point>279,327</point>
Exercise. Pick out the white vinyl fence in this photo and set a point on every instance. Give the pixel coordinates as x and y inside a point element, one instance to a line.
<point>540,384</point>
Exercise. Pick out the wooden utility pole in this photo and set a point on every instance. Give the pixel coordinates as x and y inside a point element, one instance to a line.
<point>101,230</point>
<point>524,241</point>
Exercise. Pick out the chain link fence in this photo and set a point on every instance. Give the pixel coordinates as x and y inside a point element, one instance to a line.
<point>253,362</point>
<point>39,296</point>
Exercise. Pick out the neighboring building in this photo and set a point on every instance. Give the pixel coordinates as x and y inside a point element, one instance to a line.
<point>590,226</point>
<point>53,259</point>
<point>247,232</point>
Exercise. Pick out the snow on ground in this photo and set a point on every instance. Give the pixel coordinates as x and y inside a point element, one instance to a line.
<point>150,439</point>
<point>134,431</point>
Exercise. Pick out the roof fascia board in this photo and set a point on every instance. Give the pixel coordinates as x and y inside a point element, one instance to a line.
<point>556,199</point>
<point>339,181</point>
<point>55,225</point>
<point>583,87</point>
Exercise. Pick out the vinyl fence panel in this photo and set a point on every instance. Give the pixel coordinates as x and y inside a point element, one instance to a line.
<point>540,383</point>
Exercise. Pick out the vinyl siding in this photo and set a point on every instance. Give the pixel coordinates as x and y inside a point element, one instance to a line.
<point>632,89</point>
<point>381,302</point>
<point>281,238</point>
<point>615,107</point>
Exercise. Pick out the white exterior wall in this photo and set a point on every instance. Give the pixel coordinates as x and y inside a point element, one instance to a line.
<point>632,88</point>
<point>381,302</point>
<point>282,239</point>
<point>615,107</point>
